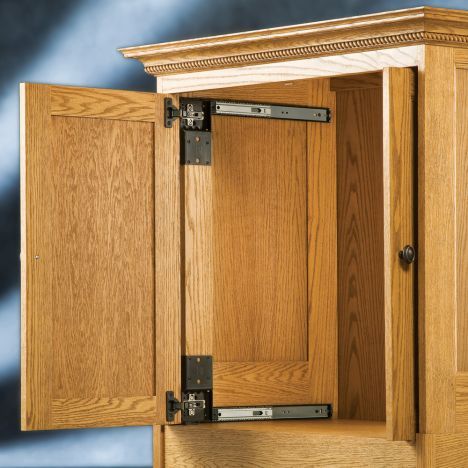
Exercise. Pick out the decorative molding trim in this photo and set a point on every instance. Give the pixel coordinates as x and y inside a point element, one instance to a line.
<point>331,48</point>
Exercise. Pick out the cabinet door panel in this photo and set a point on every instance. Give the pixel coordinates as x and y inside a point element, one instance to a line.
<point>88,248</point>
<point>399,118</point>
<point>259,223</point>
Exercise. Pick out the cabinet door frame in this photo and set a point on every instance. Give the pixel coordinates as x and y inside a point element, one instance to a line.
<point>41,406</point>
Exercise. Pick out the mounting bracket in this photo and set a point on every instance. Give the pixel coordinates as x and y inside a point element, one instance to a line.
<point>195,121</point>
<point>197,383</point>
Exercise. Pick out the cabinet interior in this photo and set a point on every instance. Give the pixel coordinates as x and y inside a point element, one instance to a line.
<point>284,256</point>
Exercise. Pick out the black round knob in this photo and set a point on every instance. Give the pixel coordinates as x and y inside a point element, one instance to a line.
<point>408,254</point>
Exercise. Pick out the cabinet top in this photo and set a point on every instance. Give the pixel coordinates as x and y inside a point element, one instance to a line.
<point>422,25</point>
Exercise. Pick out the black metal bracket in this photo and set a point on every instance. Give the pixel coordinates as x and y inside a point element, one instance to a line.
<point>170,113</point>
<point>173,405</point>
<point>197,388</point>
<point>195,121</point>
<point>195,129</point>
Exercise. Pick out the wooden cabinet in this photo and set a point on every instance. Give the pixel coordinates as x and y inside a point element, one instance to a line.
<point>281,258</point>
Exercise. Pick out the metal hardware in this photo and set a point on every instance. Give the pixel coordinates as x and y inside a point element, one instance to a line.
<point>309,114</point>
<point>197,372</point>
<point>197,400</point>
<point>195,122</point>
<point>172,406</point>
<point>170,113</point>
<point>242,414</point>
<point>197,384</point>
<point>196,404</point>
<point>255,413</point>
<point>195,147</point>
<point>408,254</point>
<point>195,125</point>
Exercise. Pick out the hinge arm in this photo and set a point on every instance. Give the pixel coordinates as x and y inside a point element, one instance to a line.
<point>170,112</point>
<point>173,405</point>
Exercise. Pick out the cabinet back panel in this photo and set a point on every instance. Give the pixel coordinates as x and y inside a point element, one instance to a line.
<point>361,332</point>
<point>259,240</point>
<point>100,211</point>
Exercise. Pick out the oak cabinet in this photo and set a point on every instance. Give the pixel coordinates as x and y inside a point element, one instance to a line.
<point>278,250</point>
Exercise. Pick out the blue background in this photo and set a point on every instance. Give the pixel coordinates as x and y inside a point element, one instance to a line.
<point>74,43</point>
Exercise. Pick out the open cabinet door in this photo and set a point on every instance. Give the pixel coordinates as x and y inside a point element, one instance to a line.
<point>399,232</point>
<point>93,321</point>
<point>260,252</point>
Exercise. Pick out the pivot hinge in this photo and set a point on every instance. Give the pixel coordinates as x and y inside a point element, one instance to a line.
<point>170,112</point>
<point>195,129</point>
<point>172,406</point>
<point>195,121</point>
<point>197,385</point>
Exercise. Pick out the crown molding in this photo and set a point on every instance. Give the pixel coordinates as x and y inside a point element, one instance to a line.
<point>401,28</point>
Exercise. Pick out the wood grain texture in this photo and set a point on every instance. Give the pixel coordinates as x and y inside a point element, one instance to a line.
<point>69,413</point>
<point>461,402</point>
<point>36,328</point>
<point>251,383</point>
<point>322,250</point>
<point>311,373</point>
<point>361,359</point>
<point>295,92</point>
<point>158,447</point>
<point>442,450</point>
<point>323,427</point>
<point>308,445</point>
<point>343,64</point>
<point>399,279</point>
<point>358,81</point>
<point>436,244</point>
<point>88,269</point>
<point>102,103</point>
<point>462,216</point>
<point>168,249</point>
<point>260,249</point>
<point>371,32</point>
<point>198,266</point>
<point>100,209</point>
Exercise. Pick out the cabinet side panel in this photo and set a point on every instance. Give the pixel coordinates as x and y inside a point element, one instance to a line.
<point>442,450</point>
<point>462,217</point>
<point>461,381</point>
<point>436,244</point>
<point>361,368</point>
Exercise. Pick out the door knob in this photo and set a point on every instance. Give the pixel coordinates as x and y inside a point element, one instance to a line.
<point>408,254</point>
